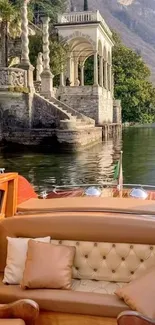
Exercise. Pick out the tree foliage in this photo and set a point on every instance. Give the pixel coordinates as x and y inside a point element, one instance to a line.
<point>47,7</point>
<point>89,71</point>
<point>132,85</point>
<point>10,14</point>
<point>58,52</point>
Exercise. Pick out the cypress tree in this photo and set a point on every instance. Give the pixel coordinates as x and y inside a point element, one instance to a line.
<point>85,5</point>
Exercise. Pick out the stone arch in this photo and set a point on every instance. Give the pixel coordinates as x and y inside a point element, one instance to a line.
<point>90,55</point>
<point>89,68</point>
<point>81,47</point>
<point>78,34</point>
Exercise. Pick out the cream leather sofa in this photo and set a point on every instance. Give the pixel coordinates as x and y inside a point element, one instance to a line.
<point>111,250</point>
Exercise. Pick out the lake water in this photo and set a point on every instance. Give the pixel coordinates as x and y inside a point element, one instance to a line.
<point>94,165</point>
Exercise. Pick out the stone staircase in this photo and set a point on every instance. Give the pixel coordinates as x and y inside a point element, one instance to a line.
<point>81,121</point>
<point>72,119</point>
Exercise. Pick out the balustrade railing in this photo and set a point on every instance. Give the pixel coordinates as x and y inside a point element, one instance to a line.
<point>85,16</point>
<point>12,77</point>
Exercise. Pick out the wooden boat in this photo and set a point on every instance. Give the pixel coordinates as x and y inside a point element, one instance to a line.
<point>72,217</point>
<point>17,196</point>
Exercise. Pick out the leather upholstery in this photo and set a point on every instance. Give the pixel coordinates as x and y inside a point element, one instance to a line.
<point>89,204</point>
<point>103,287</point>
<point>48,266</point>
<point>139,295</point>
<point>108,261</point>
<point>75,302</point>
<point>117,248</point>
<point>111,228</point>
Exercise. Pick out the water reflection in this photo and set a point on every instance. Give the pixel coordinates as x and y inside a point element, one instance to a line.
<point>139,155</point>
<point>94,165</point>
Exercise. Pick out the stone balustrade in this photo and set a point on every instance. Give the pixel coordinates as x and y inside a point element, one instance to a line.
<point>83,17</point>
<point>12,77</point>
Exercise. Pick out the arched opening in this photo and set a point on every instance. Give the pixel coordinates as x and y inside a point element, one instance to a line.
<point>89,71</point>
<point>80,49</point>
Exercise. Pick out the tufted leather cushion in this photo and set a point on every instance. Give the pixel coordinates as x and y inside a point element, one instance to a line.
<point>103,287</point>
<point>90,226</point>
<point>108,261</point>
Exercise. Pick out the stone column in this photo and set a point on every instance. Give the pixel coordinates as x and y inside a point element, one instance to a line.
<point>95,69</point>
<point>105,75</point>
<point>101,72</point>
<point>24,33</point>
<point>112,84</point>
<point>62,77</point>
<point>1,55</point>
<point>69,67</point>
<point>46,76</point>
<point>109,77</point>
<point>25,61</point>
<point>82,74</point>
<point>75,70</point>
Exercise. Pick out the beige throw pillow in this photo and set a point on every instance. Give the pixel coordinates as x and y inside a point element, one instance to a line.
<point>16,257</point>
<point>48,266</point>
<point>139,294</point>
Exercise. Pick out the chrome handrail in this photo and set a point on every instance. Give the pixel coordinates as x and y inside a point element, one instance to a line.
<point>100,185</point>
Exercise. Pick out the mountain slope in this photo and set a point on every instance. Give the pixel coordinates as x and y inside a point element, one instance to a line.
<point>134,20</point>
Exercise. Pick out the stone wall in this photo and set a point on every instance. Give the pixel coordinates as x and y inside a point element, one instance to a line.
<point>14,110</point>
<point>44,114</point>
<point>54,139</point>
<point>30,137</point>
<point>79,138</point>
<point>94,102</point>
<point>117,112</point>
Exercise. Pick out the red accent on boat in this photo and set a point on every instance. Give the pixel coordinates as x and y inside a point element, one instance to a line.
<point>25,190</point>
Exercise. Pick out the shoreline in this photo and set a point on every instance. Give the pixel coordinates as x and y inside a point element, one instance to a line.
<point>138,125</point>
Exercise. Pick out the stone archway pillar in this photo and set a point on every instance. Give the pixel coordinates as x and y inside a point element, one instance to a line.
<point>101,71</point>
<point>105,75</point>
<point>46,76</point>
<point>110,77</point>
<point>75,70</point>
<point>82,74</point>
<point>25,61</point>
<point>95,69</point>
<point>69,68</point>
<point>62,81</point>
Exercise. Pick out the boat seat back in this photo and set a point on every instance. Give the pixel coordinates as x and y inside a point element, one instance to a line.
<point>113,243</point>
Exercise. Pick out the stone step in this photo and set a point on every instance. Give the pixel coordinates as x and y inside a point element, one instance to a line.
<point>85,120</point>
<point>82,127</point>
<point>78,122</point>
<point>62,108</point>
